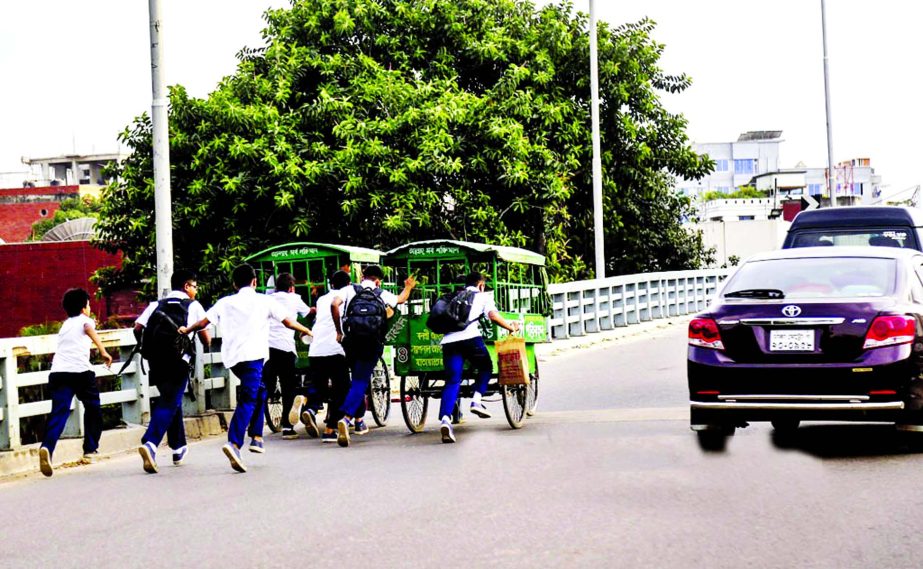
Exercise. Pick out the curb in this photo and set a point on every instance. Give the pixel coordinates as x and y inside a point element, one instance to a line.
<point>69,452</point>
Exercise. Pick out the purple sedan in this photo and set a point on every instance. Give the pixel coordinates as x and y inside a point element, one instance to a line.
<point>819,333</point>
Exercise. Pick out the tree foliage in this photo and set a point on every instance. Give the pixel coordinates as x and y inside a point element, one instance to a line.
<point>71,208</point>
<point>378,122</point>
<point>743,192</point>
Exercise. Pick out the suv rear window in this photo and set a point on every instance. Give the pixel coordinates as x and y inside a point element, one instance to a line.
<point>824,277</point>
<point>860,238</point>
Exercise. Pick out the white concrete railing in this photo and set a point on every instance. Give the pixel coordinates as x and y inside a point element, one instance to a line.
<point>585,307</point>
<point>133,393</point>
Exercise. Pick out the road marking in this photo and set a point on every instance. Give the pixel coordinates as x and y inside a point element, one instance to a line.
<point>612,415</point>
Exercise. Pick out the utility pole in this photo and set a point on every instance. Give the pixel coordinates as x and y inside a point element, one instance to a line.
<point>831,172</point>
<point>161,150</point>
<point>597,161</point>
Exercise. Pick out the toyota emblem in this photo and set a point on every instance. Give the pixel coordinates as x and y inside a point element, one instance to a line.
<point>791,310</point>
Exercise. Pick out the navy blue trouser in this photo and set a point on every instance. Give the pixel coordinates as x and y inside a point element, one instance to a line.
<point>362,362</point>
<point>454,355</point>
<point>332,369</point>
<point>281,368</point>
<point>167,414</point>
<point>64,386</point>
<point>249,412</point>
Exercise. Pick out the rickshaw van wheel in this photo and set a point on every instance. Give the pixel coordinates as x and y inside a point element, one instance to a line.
<point>273,410</point>
<point>514,404</point>
<point>380,394</point>
<point>414,403</point>
<point>532,393</point>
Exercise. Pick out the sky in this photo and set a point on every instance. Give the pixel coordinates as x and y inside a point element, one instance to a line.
<point>74,74</point>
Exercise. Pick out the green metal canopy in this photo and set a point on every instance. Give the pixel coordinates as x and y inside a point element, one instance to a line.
<point>301,250</point>
<point>439,248</point>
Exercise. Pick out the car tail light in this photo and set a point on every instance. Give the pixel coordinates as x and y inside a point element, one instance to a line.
<point>703,332</point>
<point>890,331</point>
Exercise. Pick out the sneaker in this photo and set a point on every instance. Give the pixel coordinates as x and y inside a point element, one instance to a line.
<point>309,418</point>
<point>179,455</point>
<point>91,457</point>
<point>448,435</point>
<point>479,410</point>
<point>256,446</point>
<point>148,454</point>
<point>233,454</point>
<point>343,426</point>
<point>360,427</point>
<point>295,412</point>
<point>328,438</point>
<point>289,434</point>
<point>44,461</point>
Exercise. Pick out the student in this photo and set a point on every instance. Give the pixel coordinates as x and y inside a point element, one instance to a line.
<point>244,322</point>
<point>282,354</point>
<point>328,361</point>
<point>72,375</point>
<point>469,345</point>
<point>362,350</point>
<point>169,371</point>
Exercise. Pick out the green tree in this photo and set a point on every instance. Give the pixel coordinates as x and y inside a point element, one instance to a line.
<point>739,193</point>
<point>71,208</point>
<point>377,122</point>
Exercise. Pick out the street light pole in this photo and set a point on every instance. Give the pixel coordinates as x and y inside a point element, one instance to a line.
<point>830,171</point>
<point>597,162</point>
<point>161,150</point>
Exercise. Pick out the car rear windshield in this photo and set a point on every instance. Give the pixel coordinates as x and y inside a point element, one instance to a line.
<point>825,277</point>
<point>860,238</point>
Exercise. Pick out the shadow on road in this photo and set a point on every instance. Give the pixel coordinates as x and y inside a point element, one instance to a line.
<point>849,441</point>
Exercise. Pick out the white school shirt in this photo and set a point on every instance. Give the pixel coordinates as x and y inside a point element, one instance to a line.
<point>280,337</point>
<point>482,305</point>
<point>196,311</point>
<point>73,352</point>
<point>244,322</point>
<point>324,343</point>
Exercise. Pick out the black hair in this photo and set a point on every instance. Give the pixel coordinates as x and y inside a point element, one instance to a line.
<point>473,278</point>
<point>243,275</point>
<point>180,278</point>
<point>339,280</point>
<point>74,301</point>
<point>285,281</point>
<point>373,272</point>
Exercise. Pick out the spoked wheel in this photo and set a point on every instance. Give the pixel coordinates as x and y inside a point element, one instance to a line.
<point>380,394</point>
<point>515,399</point>
<point>413,402</point>
<point>532,393</point>
<point>273,408</point>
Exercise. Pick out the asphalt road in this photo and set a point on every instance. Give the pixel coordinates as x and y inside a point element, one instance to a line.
<point>607,474</point>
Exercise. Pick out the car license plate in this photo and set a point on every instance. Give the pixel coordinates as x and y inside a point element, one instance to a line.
<point>791,340</point>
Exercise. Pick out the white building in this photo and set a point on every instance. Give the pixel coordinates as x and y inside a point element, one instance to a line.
<point>854,183</point>
<point>736,163</point>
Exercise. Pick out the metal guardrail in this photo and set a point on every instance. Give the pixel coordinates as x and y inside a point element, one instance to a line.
<point>134,391</point>
<point>580,308</point>
<point>585,307</point>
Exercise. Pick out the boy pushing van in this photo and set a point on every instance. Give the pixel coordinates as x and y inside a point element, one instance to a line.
<point>243,319</point>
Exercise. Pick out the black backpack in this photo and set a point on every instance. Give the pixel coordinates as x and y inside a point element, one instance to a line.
<point>160,341</point>
<point>365,315</point>
<point>450,312</point>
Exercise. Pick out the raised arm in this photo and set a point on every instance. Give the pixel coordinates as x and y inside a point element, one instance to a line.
<point>408,287</point>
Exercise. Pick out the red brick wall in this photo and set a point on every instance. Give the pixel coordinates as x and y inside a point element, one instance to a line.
<point>17,215</point>
<point>34,276</point>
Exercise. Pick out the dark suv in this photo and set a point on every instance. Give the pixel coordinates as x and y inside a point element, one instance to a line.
<point>878,226</point>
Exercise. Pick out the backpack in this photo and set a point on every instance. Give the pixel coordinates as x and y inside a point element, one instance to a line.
<point>450,312</point>
<point>160,341</point>
<point>365,315</point>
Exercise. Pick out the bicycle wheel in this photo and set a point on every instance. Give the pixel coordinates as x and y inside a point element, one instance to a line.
<point>413,402</point>
<point>514,403</point>
<point>273,408</point>
<point>532,393</point>
<point>380,393</point>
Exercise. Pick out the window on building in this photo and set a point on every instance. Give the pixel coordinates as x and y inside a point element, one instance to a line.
<point>721,165</point>
<point>815,189</point>
<point>745,166</point>
<point>746,217</point>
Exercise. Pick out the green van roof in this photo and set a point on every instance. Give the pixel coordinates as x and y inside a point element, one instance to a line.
<point>306,249</point>
<point>436,248</point>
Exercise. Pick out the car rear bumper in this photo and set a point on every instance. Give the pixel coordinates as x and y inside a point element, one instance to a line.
<point>803,407</point>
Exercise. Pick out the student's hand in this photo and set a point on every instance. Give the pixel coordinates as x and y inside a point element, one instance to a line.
<point>410,282</point>
<point>339,337</point>
<point>183,330</point>
<point>107,358</point>
<point>514,327</point>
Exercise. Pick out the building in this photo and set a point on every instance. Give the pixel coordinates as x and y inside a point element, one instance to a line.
<point>736,163</point>
<point>855,183</point>
<point>21,207</point>
<point>70,169</point>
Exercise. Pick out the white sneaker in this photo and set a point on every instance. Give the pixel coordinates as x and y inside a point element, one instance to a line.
<point>295,412</point>
<point>479,410</point>
<point>448,435</point>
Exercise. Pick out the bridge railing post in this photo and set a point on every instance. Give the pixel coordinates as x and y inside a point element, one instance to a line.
<point>9,398</point>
